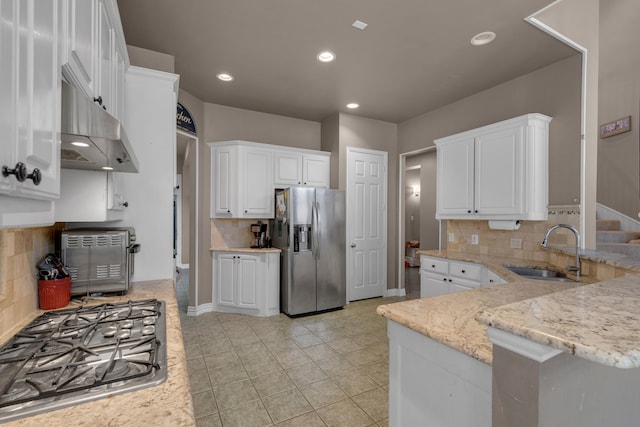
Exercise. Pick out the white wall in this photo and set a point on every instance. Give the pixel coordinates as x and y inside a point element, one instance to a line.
<point>150,106</point>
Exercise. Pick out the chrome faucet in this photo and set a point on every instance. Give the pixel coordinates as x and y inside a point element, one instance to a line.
<point>576,267</point>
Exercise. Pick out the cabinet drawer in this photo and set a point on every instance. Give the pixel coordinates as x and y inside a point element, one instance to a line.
<point>434,265</point>
<point>467,271</point>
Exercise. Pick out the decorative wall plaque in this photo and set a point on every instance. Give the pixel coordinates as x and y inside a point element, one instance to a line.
<point>615,127</point>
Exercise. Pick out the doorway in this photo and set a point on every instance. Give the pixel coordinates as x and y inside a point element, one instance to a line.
<point>186,214</point>
<point>417,212</point>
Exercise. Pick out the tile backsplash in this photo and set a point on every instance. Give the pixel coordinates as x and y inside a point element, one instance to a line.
<point>523,243</point>
<point>20,250</point>
<point>233,233</point>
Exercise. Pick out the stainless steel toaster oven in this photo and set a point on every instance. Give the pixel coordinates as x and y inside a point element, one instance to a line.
<point>99,260</point>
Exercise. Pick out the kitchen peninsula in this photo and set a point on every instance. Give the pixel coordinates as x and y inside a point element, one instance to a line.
<point>442,361</point>
<point>167,404</point>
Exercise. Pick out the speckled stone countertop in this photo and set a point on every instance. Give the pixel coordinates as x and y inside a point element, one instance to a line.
<point>451,319</point>
<point>250,250</point>
<point>168,404</point>
<point>598,322</point>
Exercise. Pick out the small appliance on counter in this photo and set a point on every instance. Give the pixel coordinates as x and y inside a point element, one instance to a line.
<point>99,260</point>
<point>260,231</point>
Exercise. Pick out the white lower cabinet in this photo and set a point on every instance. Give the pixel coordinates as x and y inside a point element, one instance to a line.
<point>431,384</point>
<point>440,276</point>
<point>247,282</point>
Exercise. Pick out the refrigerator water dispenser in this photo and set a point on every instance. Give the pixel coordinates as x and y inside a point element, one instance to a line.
<point>301,237</point>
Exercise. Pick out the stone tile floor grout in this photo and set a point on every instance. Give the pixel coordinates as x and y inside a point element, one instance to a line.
<point>329,369</point>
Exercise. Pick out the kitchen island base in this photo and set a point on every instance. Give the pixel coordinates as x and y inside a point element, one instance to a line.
<point>535,386</point>
<point>431,384</point>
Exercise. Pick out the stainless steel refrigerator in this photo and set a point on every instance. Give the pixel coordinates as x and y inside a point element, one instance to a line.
<point>309,228</point>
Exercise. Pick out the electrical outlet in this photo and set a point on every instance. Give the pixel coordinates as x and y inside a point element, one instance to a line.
<point>474,239</point>
<point>452,237</point>
<point>516,243</point>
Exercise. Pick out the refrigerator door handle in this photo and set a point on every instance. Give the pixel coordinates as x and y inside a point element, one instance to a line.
<point>315,249</point>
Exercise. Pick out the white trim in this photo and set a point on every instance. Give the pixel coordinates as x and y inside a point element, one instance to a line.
<point>395,292</point>
<point>385,156</point>
<point>198,310</point>
<point>533,20</point>
<point>522,346</point>
<point>626,223</point>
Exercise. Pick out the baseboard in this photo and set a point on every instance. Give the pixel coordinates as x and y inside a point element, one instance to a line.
<point>196,311</point>
<point>395,292</point>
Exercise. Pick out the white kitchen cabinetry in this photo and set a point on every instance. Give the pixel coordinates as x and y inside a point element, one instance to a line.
<point>242,181</point>
<point>493,279</point>
<point>432,384</point>
<point>29,111</point>
<point>440,276</point>
<point>499,171</point>
<point>247,283</point>
<point>94,55</point>
<point>90,196</point>
<point>293,168</point>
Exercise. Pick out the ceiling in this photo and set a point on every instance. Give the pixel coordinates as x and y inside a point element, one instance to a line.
<point>413,57</point>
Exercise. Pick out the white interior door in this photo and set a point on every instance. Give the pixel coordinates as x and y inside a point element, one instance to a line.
<point>366,223</point>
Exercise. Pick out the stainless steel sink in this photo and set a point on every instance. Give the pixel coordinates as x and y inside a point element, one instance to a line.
<point>540,274</point>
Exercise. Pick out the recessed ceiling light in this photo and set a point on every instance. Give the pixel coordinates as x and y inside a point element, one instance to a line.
<point>80,144</point>
<point>225,77</point>
<point>326,56</point>
<point>483,38</point>
<point>352,105</point>
<point>359,25</point>
<point>107,168</point>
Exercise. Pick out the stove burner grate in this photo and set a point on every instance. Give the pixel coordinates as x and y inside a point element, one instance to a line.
<point>62,354</point>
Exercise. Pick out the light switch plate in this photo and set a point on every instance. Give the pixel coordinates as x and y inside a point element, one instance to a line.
<point>516,243</point>
<point>452,236</point>
<point>474,239</point>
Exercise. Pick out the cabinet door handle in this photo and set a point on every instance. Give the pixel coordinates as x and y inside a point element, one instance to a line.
<point>125,204</point>
<point>35,176</point>
<point>433,266</point>
<point>476,211</point>
<point>462,271</point>
<point>98,100</point>
<point>245,211</point>
<point>469,211</point>
<point>228,210</point>
<point>445,279</point>
<point>20,171</point>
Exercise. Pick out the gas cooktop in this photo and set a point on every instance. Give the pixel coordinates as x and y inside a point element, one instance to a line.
<point>72,356</point>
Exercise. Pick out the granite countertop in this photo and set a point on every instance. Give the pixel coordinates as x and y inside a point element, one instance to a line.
<point>590,320</point>
<point>167,404</point>
<point>451,319</point>
<point>597,322</point>
<point>250,250</point>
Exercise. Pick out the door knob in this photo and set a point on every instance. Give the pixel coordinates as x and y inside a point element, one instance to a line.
<point>353,245</point>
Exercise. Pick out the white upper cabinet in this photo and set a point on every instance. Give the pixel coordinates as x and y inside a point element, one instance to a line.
<point>499,171</point>
<point>292,168</point>
<point>242,181</point>
<point>287,168</point>
<point>94,54</point>
<point>30,111</point>
<point>315,170</point>
<point>245,174</point>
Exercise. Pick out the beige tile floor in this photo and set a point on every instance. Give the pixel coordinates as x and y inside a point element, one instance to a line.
<point>329,369</point>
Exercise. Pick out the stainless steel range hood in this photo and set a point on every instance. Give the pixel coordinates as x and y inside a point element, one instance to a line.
<point>92,139</point>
